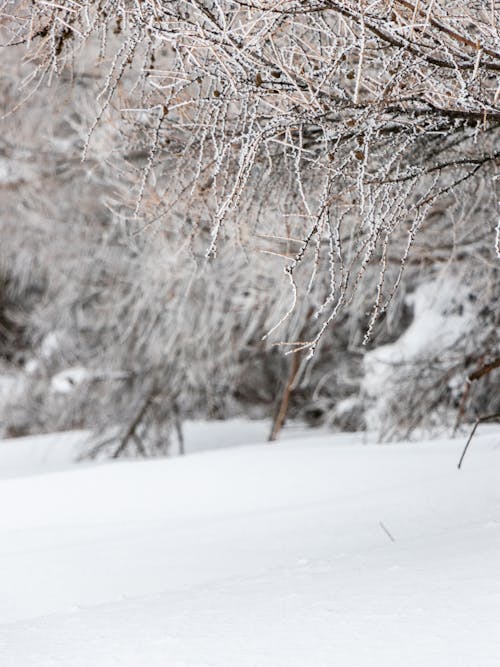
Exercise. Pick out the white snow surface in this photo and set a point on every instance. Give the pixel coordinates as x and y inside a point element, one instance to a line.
<point>41,453</point>
<point>68,379</point>
<point>59,451</point>
<point>315,552</point>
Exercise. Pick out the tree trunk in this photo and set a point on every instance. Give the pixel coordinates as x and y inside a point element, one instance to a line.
<point>280,417</point>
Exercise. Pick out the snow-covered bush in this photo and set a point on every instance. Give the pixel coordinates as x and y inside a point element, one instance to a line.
<point>438,371</point>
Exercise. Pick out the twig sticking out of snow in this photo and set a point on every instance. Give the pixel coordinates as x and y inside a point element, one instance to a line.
<point>386,531</point>
<point>479,421</point>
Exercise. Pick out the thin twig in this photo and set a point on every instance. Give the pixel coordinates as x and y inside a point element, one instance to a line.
<point>479,421</point>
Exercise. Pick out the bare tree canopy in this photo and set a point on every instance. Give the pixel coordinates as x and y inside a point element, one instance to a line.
<point>350,121</point>
<point>342,142</point>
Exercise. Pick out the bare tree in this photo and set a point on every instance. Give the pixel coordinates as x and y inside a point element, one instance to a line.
<point>330,146</point>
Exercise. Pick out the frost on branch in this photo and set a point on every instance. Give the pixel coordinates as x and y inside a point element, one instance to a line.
<point>341,147</point>
<point>343,124</point>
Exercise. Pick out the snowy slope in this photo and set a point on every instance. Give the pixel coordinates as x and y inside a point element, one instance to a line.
<point>60,451</point>
<point>40,453</point>
<point>311,553</point>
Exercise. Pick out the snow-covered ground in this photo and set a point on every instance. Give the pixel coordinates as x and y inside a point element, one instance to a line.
<point>40,454</point>
<point>60,451</point>
<point>314,552</point>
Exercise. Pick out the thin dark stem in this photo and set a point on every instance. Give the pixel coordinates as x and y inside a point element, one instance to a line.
<point>479,421</point>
